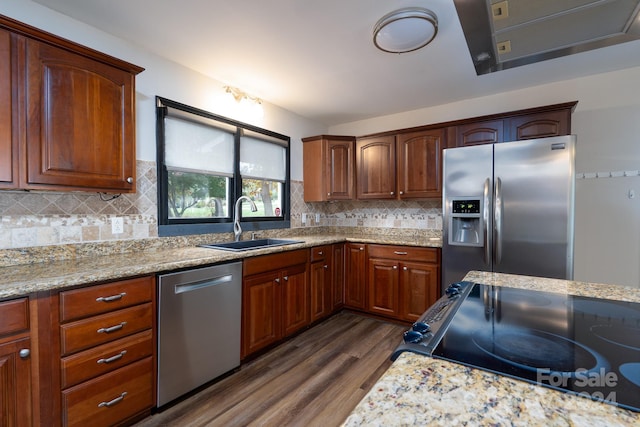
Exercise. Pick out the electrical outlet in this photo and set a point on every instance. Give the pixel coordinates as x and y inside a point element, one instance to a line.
<point>304,219</point>
<point>117,225</point>
<point>317,218</point>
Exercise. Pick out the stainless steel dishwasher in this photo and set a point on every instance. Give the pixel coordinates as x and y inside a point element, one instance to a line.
<point>198,327</point>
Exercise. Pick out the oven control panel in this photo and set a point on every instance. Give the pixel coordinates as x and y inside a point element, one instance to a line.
<point>426,333</point>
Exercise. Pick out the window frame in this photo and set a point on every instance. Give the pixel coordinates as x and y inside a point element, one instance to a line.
<point>186,226</point>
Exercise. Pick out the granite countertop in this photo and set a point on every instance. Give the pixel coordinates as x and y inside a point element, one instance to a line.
<point>418,390</point>
<point>28,277</point>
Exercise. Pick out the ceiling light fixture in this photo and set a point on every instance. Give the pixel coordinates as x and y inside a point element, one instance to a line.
<point>405,30</point>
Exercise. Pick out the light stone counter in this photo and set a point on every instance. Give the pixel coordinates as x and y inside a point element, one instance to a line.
<point>51,268</point>
<point>420,391</point>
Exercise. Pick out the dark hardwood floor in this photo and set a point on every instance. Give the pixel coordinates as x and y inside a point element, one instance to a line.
<point>314,379</point>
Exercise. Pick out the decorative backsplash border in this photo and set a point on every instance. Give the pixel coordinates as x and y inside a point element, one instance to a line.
<point>30,219</point>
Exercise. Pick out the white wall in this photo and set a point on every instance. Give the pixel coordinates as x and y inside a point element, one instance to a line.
<point>163,78</point>
<point>607,122</point>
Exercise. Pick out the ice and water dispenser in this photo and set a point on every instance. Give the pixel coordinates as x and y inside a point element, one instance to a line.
<point>465,222</point>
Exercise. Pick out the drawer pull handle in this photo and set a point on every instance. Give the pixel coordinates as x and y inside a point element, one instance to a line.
<point>111,298</point>
<point>400,252</point>
<point>113,358</point>
<point>111,328</point>
<point>112,402</point>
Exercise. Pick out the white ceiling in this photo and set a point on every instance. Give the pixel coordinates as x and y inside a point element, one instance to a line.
<point>316,57</point>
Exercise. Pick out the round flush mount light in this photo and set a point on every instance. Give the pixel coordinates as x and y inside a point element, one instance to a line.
<point>405,30</point>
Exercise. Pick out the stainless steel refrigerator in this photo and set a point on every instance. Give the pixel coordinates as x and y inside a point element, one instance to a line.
<point>509,208</point>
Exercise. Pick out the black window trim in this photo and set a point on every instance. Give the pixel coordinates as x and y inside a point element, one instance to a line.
<point>174,227</point>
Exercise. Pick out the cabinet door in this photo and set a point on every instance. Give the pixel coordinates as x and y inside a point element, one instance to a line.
<point>319,273</point>
<point>261,308</point>
<point>15,384</point>
<point>541,125</point>
<point>383,277</point>
<point>339,175</point>
<point>337,270</point>
<point>80,126</point>
<point>420,164</point>
<point>376,167</point>
<point>354,286</point>
<point>295,298</point>
<point>488,132</point>
<point>419,289</point>
<point>8,144</point>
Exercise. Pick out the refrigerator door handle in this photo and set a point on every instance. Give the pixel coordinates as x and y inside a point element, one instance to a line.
<point>497,218</point>
<point>485,218</point>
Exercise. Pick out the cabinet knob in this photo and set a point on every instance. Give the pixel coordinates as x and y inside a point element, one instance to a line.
<point>361,248</point>
<point>130,180</point>
<point>401,193</point>
<point>286,278</point>
<point>404,268</point>
<point>395,267</point>
<point>24,353</point>
<point>392,193</point>
<point>328,194</point>
<point>320,253</point>
<point>326,266</point>
<point>277,280</point>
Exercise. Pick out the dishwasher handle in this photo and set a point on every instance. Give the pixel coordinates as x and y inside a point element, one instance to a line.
<point>188,287</point>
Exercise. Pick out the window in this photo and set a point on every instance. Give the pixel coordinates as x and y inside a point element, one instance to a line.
<point>205,162</point>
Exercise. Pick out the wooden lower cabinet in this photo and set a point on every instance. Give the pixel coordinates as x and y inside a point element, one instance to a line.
<point>106,352</point>
<point>15,383</point>
<point>275,298</point>
<point>15,363</point>
<point>354,275</point>
<point>337,270</point>
<point>402,282</point>
<point>320,279</point>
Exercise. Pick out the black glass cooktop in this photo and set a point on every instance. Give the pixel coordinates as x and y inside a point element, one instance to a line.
<point>581,345</point>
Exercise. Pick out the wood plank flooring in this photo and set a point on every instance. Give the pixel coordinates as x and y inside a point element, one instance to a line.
<point>314,379</point>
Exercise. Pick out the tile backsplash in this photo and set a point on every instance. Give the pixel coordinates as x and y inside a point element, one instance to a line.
<point>53,218</point>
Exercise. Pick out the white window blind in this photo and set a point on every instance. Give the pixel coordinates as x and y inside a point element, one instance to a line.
<point>197,147</point>
<point>260,159</point>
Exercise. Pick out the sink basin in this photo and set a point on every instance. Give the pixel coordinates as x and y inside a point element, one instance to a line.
<point>246,245</point>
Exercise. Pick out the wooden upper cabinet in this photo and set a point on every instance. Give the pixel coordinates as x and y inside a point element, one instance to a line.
<point>477,133</point>
<point>328,168</point>
<point>376,167</point>
<point>8,142</point>
<point>541,125</point>
<point>420,164</point>
<point>67,114</point>
<point>539,122</point>
<point>80,121</point>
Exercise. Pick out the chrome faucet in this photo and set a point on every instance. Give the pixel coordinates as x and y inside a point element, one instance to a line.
<point>237,230</point>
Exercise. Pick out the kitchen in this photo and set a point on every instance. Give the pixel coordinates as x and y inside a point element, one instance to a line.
<point>604,121</point>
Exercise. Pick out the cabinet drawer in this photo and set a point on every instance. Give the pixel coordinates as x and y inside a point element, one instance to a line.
<point>265,263</point>
<point>111,398</point>
<point>320,252</point>
<point>14,316</point>
<point>105,358</point>
<point>92,300</point>
<point>403,253</point>
<point>97,330</point>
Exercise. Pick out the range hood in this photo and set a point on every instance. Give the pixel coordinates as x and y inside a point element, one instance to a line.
<point>503,34</point>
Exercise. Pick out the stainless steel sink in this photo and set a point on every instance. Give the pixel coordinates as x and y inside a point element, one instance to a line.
<point>246,245</point>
